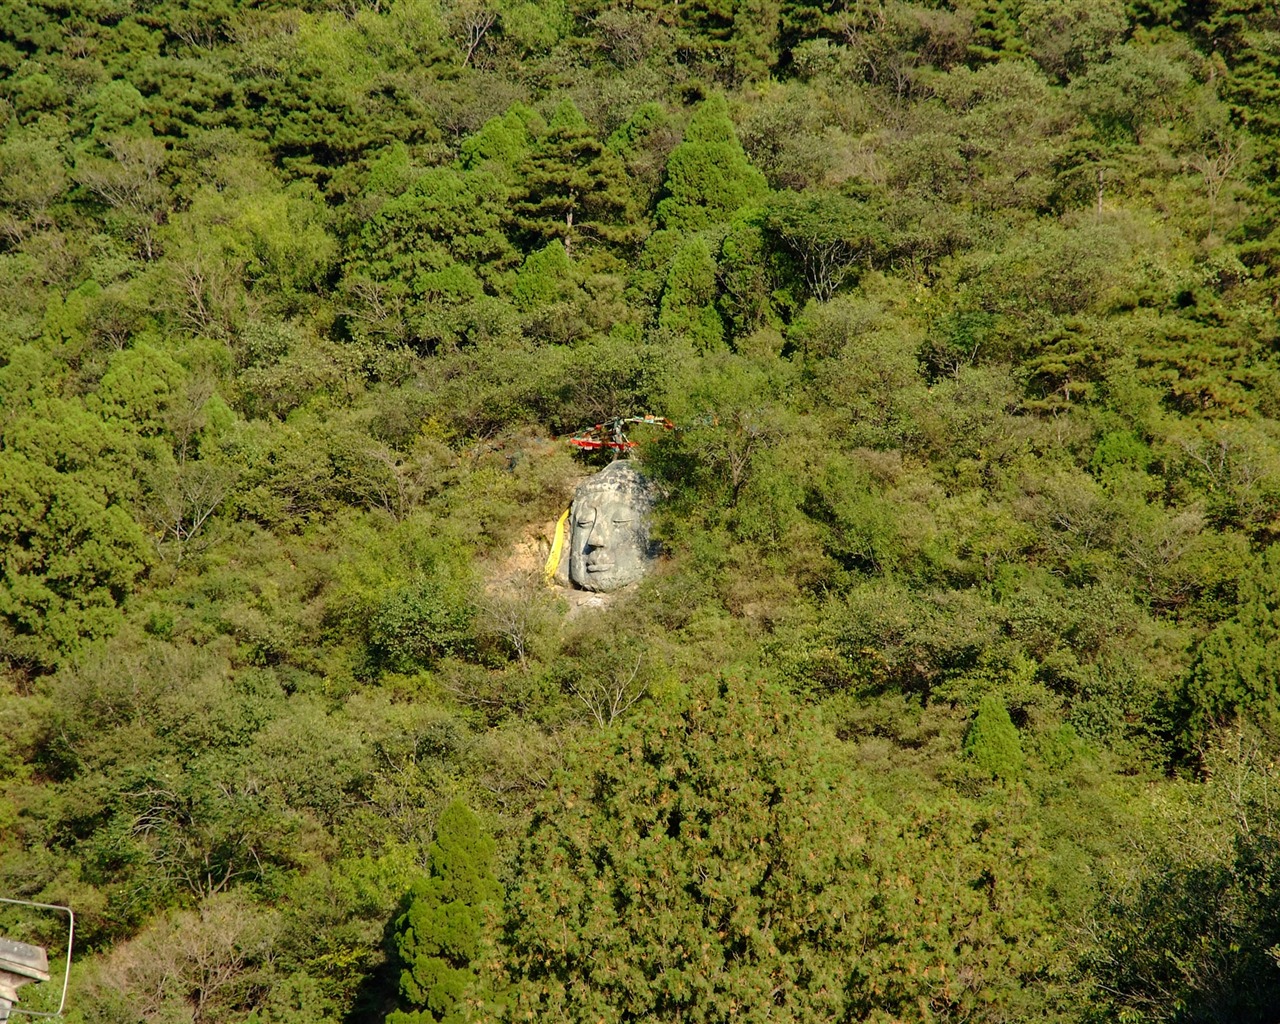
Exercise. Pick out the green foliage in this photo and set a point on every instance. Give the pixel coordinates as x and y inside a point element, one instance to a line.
<point>1065,38</point>
<point>428,255</point>
<point>418,623</point>
<point>1192,935</point>
<point>995,33</point>
<point>688,301</point>
<point>71,555</point>
<point>827,235</point>
<point>737,38</point>
<point>964,314</point>
<point>731,405</point>
<point>702,863</point>
<point>1235,671</point>
<point>409,597</point>
<point>709,178</point>
<point>548,294</point>
<point>71,551</point>
<point>545,277</point>
<point>992,740</point>
<point>747,300</point>
<point>642,142</point>
<point>439,935</point>
<point>502,144</point>
<point>571,185</point>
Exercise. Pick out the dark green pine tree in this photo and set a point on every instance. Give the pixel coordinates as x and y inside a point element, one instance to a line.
<point>738,38</point>
<point>1066,363</point>
<point>439,935</point>
<point>802,20</point>
<point>1153,13</point>
<point>995,33</point>
<point>1243,33</point>
<point>1252,91</point>
<point>572,187</point>
<point>1237,666</point>
<point>992,740</point>
<point>709,177</point>
<point>688,301</point>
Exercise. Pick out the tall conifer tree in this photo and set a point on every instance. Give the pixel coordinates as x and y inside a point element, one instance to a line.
<point>439,935</point>
<point>572,186</point>
<point>709,177</point>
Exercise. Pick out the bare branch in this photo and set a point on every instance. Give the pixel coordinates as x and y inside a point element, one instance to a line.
<point>607,699</point>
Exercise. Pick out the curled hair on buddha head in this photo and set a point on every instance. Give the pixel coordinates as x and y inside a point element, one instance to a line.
<point>622,478</point>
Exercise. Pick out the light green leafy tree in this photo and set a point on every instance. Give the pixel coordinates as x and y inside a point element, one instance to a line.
<point>32,176</point>
<point>827,235</point>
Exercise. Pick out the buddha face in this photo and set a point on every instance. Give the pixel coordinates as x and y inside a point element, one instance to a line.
<point>609,538</point>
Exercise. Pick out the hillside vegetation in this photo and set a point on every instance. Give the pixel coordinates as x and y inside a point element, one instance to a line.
<point>955,694</point>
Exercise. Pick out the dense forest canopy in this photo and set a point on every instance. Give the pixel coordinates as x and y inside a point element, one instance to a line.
<point>955,693</point>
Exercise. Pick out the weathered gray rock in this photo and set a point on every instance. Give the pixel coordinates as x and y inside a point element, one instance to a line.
<point>609,544</point>
<point>19,964</point>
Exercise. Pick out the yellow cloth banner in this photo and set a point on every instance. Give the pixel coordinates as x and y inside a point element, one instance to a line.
<point>557,548</point>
